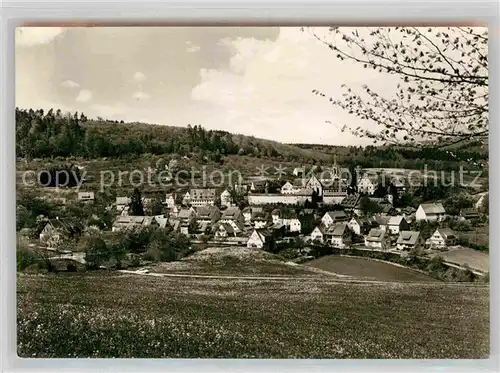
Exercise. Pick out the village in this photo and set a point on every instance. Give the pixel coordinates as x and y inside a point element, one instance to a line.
<point>321,209</point>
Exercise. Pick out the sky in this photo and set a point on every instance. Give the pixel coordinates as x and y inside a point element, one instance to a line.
<point>250,80</point>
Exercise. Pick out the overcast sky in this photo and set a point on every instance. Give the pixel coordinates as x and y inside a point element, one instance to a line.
<point>254,81</point>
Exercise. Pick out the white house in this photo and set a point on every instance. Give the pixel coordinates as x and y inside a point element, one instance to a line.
<point>289,188</point>
<point>225,198</point>
<point>313,184</point>
<point>223,230</point>
<point>186,200</point>
<point>442,237</point>
<point>432,212</point>
<point>86,196</point>
<point>397,224</point>
<point>376,239</point>
<point>170,200</point>
<point>409,240</point>
<point>340,236</point>
<point>256,240</point>
<point>202,196</point>
<point>332,217</point>
<point>357,225</point>
<point>318,234</point>
<point>298,171</point>
<point>293,225</point>
<point>367,184</point>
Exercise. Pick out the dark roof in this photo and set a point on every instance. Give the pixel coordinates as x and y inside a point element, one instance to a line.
<point>446,232</point>
<point>230,212</point>
<point>337,214</point>
<point>408,237</point>
<point>338,229</point>
<point>433,208</point>
<point>206,212</point>
<point>375,235</point>
<point>350,201</point>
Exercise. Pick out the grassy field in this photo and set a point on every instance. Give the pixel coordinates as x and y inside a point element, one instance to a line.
<point>111,315</point>
<point>368,269</point>
<point>236,261</point>
<point>473,258</point>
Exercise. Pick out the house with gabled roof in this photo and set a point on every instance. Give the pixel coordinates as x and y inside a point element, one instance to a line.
<point>367,184</point>
<point>409,240</point>
<point>431,212</point>
<point>223,230</point>
<point>53,231</point>
<point>225,198</point>
<point>332,217</point>
<point>318,234</point>
<point>258,239</point>
<point>377,239</point>
<point>340,235</point>
<point>441,238</point>
<point>186,199</point>
<point>234,217</point>
<point>359,225</point>
<point>395,224</point>
<point>207,216</point>
<point>408,213</point>
<point>289,188</point>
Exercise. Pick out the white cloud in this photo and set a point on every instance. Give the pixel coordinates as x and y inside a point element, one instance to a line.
<point>84,96</point>
<point>141,96</point>
<point>139,77</point>
<point>70,84</point>
<point>29,36</point>
<point>267,89</point>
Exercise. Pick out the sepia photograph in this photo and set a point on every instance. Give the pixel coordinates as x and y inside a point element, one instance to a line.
<point>316,192</point>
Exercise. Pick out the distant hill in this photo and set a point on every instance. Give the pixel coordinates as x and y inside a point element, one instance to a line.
<point>53,134</point>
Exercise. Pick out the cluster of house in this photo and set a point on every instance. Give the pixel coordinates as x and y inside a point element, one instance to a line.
<point>384,231</point>
<point>205,211</point>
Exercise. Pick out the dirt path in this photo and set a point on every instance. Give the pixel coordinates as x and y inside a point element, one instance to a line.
<point>344,279</point>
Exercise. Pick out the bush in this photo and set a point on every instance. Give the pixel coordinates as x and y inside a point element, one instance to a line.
<point>26,258</point>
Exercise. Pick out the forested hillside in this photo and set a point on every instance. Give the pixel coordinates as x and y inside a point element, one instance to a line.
<point>51,134</point>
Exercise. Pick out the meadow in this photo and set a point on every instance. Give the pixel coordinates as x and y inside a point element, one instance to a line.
<point>368,269</point>
<point>106,314</point>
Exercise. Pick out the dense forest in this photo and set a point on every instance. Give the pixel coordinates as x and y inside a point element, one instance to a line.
<point>55,134</point>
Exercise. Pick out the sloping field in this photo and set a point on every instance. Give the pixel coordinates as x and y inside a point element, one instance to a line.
<point>473,258</point>
<point>110,315</point>
<point>236,261</point>
<point>368,269</point>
